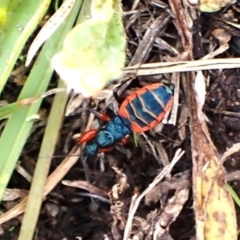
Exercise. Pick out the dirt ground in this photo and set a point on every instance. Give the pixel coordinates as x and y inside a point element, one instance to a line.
<point>100,210</point>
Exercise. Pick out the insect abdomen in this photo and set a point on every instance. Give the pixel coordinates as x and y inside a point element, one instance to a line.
<point>146,107</point>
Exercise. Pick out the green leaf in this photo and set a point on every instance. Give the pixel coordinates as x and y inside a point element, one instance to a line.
<point>93,52</point>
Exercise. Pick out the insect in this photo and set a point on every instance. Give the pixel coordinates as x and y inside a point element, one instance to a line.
<point>139,112</point>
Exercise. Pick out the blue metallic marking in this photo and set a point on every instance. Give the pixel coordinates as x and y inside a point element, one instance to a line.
<point>139,109</point>
<point>113,131</point>
<point>133,117</point>
<point>146,108</point>
<point>159,101</point>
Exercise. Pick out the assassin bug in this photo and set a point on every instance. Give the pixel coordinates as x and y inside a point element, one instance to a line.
<point>139,112</point>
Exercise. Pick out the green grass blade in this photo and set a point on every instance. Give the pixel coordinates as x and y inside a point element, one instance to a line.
<point>47,149</point>
<point>40,175</point>
<point>9,109</point>
<point>22,19</point>
<point>17,128</point>
<point>233,194</point>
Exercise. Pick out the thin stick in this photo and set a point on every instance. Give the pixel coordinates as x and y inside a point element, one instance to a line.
<point>136,200</point>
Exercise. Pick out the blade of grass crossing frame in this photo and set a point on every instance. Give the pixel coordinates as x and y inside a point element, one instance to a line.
<point>22,17</point>
<point>40,175</point>
<point>17,128</point>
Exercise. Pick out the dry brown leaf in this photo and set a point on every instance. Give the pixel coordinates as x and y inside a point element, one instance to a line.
<point>86,186</point>
<point>213,205</point>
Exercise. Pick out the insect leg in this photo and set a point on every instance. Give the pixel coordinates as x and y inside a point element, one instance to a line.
<point>87,136</point>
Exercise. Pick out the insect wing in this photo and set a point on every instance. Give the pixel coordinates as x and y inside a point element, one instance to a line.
<point>147,106</point>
